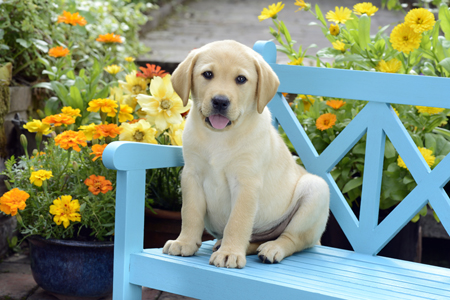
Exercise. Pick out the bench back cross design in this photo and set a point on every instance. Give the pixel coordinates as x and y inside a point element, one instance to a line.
<point>321,272</point>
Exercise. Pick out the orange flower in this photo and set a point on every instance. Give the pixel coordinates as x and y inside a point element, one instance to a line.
<point>59,51</point>
<point>325,121</point>
<point>97,150</point>
<point>105,130</point>
<point>13,200</point>
<point>109,38</point>
<point>98,184</point>
<point>151,71</point>
<point>135,121</point>
<point>58,120</point>
<point>71,139</point>
<point>72,19</point>
<point>336,104</point>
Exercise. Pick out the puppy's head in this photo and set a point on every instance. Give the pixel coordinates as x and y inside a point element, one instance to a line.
<point>228,81</point>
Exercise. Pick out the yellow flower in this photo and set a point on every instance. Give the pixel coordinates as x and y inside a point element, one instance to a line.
<point>69,111</point>
<point>396,112</point>
<point>38,177</point>
<point>65,210</point>
<point>365,8</point>
<point>133,84</point>
<point>125,113</point>
<point>296,62</point>
<point>129,59</point>
<point>164,107</point>
<point>307,100</point>
<point>59,51</point>
<point>404,39</point>
<point>71,139</point>
<point>107,106</point>
<point>335,104</point>
<point>72,19</point>
<point>13,200</point>
<point>334,29</point>
<point>271,12</point>
<point>117,94</point>
<point>338,45</point>
<point>420,20</point>
<point>326,121</point>
<point>88,130</point>
<point>113,69</point>
<point>38,126</point>
<point>427,155</point>
<point>391,66</point>
<point>175,133</point>
<point>140,132</point>
<point>429,110</point>
<point>301,4</point>
<point>340,15</point>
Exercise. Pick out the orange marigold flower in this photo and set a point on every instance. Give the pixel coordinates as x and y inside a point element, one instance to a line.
<point>71,139</point>
<point>97,150</point>
<point>13,200</point>
<point>326,121</point>
<point>336,104</point>
<point>105,105</point>
<point>105,130</point>
<point>109,38</point>
<point>151,71</point>
<point>58,120</point>
<point>59,51</point>
<point>72,19</point>
<point>98,184</point>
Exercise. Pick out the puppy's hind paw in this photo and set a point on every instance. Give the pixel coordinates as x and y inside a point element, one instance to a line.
<point>180,248</point>
<point>270,253</point>
<point>217,245</point>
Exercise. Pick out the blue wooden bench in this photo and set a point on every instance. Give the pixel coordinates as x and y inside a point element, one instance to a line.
<point>320,272</point>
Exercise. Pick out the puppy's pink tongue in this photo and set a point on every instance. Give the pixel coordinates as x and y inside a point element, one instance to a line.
<point>218,121</point>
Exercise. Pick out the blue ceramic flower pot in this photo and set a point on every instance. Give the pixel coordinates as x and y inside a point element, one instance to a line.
<point>72,268</point>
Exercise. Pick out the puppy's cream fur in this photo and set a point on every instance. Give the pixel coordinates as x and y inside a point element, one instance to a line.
<point>241,179</point>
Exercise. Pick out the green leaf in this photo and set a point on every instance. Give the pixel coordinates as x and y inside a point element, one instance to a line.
<point>102,94</point>
<point>444,16</point>
<point>430,142</point>
<point>352,184</point>
<point>320,16</point>
<point>45,85</point>
<point>364,31</point>
<point>60,91</point>
<point>77,101</point>
<point>360,148</point>
<point>23,43</point>
<point>389,150</point>
<point>445,63</point>
<point>41,45</point>
<point>51,106</point>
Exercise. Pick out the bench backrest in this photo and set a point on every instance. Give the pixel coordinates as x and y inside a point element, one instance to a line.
<point>377,120</point>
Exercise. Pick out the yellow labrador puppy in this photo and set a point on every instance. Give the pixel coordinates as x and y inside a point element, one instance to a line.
<point>240,181</point>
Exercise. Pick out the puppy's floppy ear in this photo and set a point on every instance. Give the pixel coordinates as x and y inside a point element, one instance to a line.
<point>182,76</point>
<point>268,83</point>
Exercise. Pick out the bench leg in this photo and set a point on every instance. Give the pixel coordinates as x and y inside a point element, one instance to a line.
<point>129,231</point>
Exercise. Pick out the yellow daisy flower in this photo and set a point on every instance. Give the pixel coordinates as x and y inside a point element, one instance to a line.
<point>113,69</point>
<point>334,29</point>
<point>427,155</point>
<point>88,130</point>
<point>307,100</point>
<point>365,8</point>
<point>271,12</point>
<point>133,84</point>
<point>404,39</point>
<point>338,45</point>
<point>38,127</point>
<point>107,106</point>
<point>302,5</point>
<point>420,20</point>
<point>391,66</point>
<point>164,107</point>
<point>175,133</point>
<point>117,94</point>
<point>140,132</point>
<point>340,15</point>
<point>296,62</point>
<point>40,176</point>
<point>129,59</point>
<point>429,110</point>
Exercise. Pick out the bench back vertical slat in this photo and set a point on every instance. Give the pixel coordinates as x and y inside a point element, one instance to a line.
<point>377,120</point>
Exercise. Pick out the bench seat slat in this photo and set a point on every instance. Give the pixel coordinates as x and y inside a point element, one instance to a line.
<point>301,271</point>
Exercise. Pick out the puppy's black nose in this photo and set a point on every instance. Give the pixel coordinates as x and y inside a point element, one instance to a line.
<point>220,103</point>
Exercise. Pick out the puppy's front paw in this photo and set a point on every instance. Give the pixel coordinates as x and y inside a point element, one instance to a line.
<point>228,259</point>
<point>270,253</point>
<point>180,248</point>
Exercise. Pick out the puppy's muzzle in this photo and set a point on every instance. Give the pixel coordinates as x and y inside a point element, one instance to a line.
<point>220,104</point>
<point>218,118</point>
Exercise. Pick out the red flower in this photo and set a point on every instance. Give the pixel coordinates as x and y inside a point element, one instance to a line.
<point>151,71</point>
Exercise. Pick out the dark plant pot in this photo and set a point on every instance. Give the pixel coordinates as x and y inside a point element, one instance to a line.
<point>163,226</point>
<point>72,268</point>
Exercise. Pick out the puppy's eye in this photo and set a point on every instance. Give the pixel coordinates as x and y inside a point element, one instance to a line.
<point>208,75</point>
<point>241,79</point>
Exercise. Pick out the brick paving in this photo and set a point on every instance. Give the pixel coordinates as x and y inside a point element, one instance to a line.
<point>196,23</point>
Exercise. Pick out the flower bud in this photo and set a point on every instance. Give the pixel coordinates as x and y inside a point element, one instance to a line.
<point>35,152</point>
<point>308,6</point>
<point>19,218</point>
<point>24,142</point>
<point>40,114</point>
<point>75,166</point>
